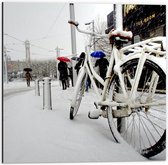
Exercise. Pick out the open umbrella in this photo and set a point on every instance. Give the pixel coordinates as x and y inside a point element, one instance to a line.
<point>98,54</point>
<point>27,69</point>
<point>75,58</point>
<point>64,59</point>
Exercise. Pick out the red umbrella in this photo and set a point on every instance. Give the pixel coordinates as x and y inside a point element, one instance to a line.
<point>65,59</point>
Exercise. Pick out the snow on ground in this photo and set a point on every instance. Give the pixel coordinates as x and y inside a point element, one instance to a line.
<point>34,135</point>
<point>16,87</point>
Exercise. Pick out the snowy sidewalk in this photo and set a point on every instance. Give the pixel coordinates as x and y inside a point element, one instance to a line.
<point>34,135</point>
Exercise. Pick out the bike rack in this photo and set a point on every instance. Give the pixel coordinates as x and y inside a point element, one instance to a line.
<point>154,45</point>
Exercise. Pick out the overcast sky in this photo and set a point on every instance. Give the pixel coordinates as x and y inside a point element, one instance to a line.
<point>45,25</point>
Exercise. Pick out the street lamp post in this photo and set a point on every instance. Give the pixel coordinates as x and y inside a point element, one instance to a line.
<point>73,41</point>
<point>118,16</point>
<point>93,29</point>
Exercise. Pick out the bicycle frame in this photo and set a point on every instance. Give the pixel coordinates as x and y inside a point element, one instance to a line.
<point>133,98</point>
<point>117,59</point>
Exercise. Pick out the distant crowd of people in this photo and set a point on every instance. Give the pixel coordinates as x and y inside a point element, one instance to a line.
<point>66,72</point>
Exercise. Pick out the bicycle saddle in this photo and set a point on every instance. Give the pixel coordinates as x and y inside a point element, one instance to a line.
<point>123,36</point>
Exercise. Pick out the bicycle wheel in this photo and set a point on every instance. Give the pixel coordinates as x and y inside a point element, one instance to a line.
<point>77,99</point>
<point>145,128</point>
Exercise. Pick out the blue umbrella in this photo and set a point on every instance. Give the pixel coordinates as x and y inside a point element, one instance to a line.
<point>98,54</point>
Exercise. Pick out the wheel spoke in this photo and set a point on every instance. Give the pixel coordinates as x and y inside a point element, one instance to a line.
<point>145,128</point>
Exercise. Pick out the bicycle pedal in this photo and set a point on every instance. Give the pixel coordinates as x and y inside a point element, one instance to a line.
<point>94,114</point>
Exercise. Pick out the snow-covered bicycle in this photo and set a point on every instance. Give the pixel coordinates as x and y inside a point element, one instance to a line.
<point>134,95</point>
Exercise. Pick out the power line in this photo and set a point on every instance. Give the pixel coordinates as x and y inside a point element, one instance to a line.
<point>46,36</point>
<point>32,53</point>
<point>39,47</point>
<point>13,43</point>
<point>13,37</point>
<point>15,50</point>
<point>55,19</point>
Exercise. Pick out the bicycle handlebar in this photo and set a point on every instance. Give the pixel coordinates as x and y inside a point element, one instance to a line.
<point>73,23</point>
<point>76,24</point>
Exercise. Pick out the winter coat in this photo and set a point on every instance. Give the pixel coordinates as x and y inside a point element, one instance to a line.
<point>62,67</point>
<point>80,62</point>
<point>28,76</point>
<point>102,63</point>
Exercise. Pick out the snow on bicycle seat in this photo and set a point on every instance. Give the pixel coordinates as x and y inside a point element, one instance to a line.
<point>155,45</point>
<point>124,36</point>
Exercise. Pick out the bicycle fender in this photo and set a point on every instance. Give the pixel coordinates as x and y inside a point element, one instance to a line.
<point>160,61</point>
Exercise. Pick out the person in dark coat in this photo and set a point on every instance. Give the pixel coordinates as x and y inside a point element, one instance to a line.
<point>102,63</point>
<point>62,67</point>
<point>80,62</point>
<point>28,78</point>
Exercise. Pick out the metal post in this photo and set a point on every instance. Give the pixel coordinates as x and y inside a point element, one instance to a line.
<point>37,87</point>
<point>73,33</point>
<point>119,25</point>
<point>73,39</point>
<point>47,93</point>
<point>5,65</point>
<point>119,16</point>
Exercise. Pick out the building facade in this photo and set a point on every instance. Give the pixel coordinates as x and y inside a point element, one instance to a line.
<point>145,21</point>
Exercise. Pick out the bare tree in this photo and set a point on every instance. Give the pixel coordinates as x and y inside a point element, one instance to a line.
<point>100,43</point>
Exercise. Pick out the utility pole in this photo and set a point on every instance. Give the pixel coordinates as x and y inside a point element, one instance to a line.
<point>57,55</point>
<point>27,46</point>
<point>73,40</point>
<point>118,16</point>
<point>73,33</point>
<point>5,65</point>
<point>119,25</point>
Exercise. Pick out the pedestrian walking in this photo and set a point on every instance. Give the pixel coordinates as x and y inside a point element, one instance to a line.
<point>80,62</point>
<point>28,78</point>
<point>62,67</point>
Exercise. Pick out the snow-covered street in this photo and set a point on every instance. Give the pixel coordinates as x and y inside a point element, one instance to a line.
<point>34,135</point>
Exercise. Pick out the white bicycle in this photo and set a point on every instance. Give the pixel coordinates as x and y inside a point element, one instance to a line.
<point>134,95</point>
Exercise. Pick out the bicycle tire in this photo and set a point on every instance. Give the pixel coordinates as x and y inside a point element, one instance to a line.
<point>77,100</point>
<point>145,129</point>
